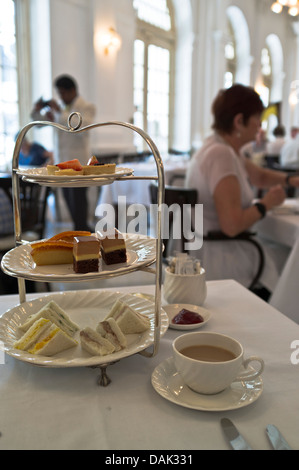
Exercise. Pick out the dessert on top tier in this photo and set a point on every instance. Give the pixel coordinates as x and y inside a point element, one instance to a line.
<point>113,247</point>
<point>94,167</point>
<point>74,167</point>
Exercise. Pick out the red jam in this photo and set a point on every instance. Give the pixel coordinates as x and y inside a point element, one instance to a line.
<point>186,317</point>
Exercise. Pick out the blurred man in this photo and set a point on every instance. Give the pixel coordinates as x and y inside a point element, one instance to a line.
<point>69,146</point>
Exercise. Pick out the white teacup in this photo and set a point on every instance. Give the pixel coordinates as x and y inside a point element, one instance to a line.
<point>185,288</point>
<point>203,375</point>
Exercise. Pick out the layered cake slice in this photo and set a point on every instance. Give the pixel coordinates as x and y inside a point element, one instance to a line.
<point>86,254</point>
<point>56,250</point>
<point>113,247</point>
<point>52,252</point>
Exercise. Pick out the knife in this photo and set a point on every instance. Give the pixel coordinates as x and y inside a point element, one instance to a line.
<point>236,440</point>
<point>276,438</point>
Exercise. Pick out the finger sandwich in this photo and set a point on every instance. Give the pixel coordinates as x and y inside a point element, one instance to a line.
<point>111,331</point>
<point>94,343</point>
<point>44,338</point>
<point>56,315</point>
<point>129,321</point>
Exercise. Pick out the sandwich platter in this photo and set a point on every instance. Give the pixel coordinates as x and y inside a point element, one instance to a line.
<point>86,308</point>
<point>141,252</point>
<point>41,176</point>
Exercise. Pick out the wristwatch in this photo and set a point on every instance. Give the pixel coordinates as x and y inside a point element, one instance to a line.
<point>261,208</point>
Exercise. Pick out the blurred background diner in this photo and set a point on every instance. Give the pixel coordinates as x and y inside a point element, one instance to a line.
<point>158,64</point>
<point>35,155</point>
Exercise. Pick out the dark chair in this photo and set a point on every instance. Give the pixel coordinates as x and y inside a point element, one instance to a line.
<point>33,208</point>
<point>246,237</point>
<point>33,205</point>
<point>271,161</point>
<point>179,197</point>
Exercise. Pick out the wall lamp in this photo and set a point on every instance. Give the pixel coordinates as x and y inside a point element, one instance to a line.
<point>111,41</point>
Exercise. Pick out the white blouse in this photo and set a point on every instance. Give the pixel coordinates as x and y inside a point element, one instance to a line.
<point>234,259</point>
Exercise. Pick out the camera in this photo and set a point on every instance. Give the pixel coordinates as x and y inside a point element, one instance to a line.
<point>45,103</point>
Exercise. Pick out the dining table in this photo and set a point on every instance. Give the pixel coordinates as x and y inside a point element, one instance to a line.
<point>146,407</point>
<point>138,190</point>
<point>281,226</point>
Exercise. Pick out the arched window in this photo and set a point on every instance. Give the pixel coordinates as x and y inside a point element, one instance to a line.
<point>9,112</point>
<point>153,65</point>
<point>230,57</point>
<point>266,70</point>
<point>238,33</point>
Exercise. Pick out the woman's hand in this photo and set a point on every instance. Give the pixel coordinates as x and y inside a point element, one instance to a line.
<point>274,197</point>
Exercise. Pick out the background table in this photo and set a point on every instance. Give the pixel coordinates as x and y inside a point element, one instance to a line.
<point>283,227</point>
<point>65,409</point>
<point>137,191</point>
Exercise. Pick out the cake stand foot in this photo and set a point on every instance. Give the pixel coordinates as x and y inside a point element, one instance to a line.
<point>103,379</point>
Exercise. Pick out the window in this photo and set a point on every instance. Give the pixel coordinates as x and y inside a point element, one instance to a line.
<point>154,12</point>
<point>9,114</point>
<point>152,72</point>
<point>266,70</point>
<point>230,57</point>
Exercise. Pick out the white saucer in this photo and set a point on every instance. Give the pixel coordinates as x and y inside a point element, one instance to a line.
<point>173,309</point>
<point>168,383</point>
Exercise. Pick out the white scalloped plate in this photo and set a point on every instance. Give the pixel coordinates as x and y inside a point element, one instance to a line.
<point>41,176</point>
<point>86,308</point>
<point>141,252</point>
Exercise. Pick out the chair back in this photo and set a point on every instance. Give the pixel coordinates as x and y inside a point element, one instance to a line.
<point>246,237</point>
<point>33,199</point>
<point>33,205</point>
<point>176,197</point>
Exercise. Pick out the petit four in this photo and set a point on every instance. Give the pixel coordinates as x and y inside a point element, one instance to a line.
<point>86,254</point>
<point>113,247</point>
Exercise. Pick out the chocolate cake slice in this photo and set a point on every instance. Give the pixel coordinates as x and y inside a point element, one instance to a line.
<point>113,247</point>
<point>86,254</point>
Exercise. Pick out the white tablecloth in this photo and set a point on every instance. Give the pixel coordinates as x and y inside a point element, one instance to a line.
<point>65,409</point>
<point>137,191</point>
<point>283,227</point>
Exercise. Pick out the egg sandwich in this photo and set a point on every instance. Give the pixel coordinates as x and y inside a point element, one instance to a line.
<point>44,338</point>
<point>51,311</point>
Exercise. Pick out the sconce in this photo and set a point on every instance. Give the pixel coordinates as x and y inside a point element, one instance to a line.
<point>111,40</point>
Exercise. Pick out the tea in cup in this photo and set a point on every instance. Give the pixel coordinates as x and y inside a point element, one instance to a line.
<point>209,362</point>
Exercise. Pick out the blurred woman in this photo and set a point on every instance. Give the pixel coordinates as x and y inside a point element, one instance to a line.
<point>224,179</point>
